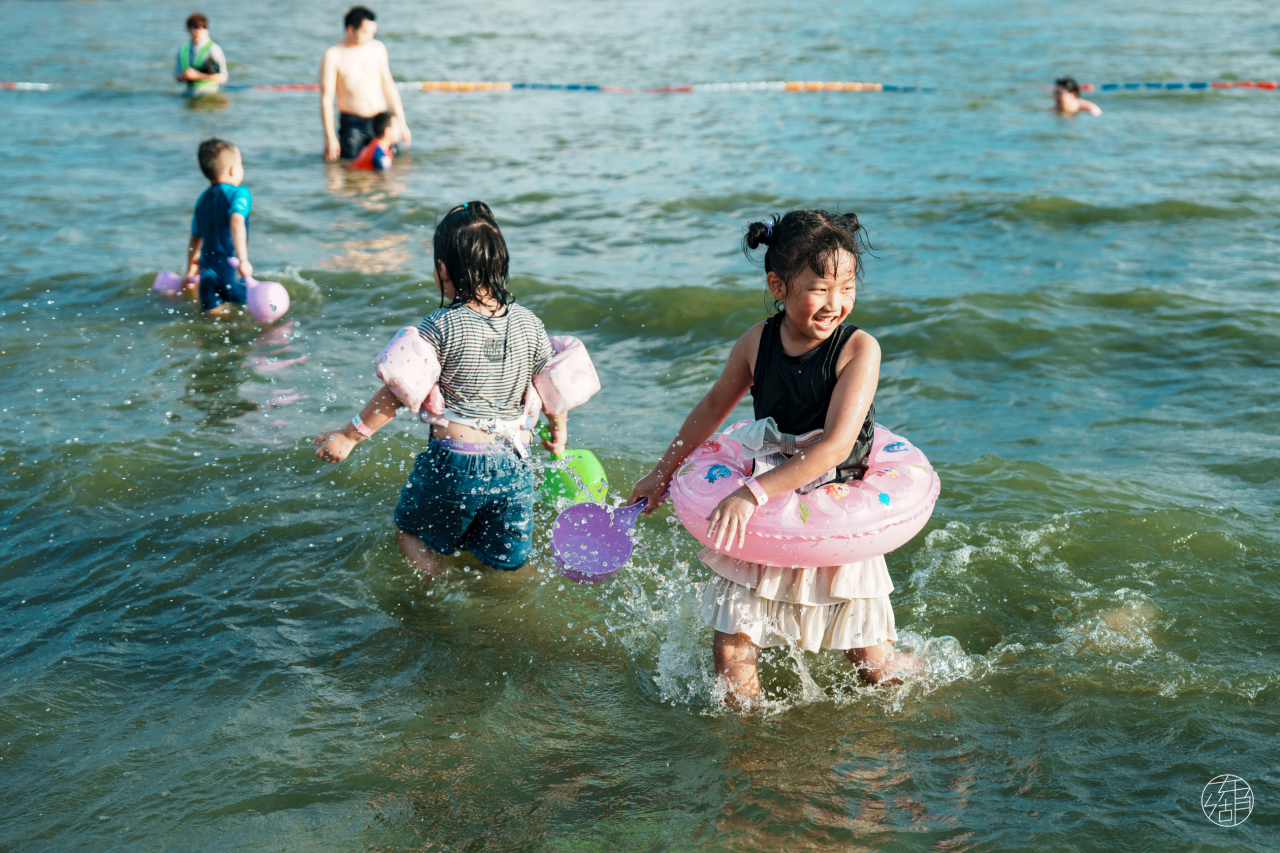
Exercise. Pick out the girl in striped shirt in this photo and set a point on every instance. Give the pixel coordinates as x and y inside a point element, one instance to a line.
<point>473,487</point>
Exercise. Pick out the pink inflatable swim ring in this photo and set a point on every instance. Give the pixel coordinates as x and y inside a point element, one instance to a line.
<point>834,524</point>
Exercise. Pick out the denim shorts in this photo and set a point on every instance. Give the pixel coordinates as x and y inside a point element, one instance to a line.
<point>482,502</point>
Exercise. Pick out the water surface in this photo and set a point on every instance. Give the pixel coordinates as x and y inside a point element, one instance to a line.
<point>210,641</point>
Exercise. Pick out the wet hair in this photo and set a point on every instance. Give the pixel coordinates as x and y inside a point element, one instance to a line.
<point>470,245</point>
<point>380,123</point>
<point>1069,84</point>
<point>807,239</point>
<point>214,155</point>
<point>357,15</point>
<point>197,19</point>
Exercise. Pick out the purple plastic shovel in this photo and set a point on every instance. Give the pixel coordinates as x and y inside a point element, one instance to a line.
<point>591,542</point>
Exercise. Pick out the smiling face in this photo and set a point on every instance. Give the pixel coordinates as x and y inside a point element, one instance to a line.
<point>816,304</point>
<point>199,33</point>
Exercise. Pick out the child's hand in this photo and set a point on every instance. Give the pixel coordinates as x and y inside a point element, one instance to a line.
<point>246,269</point>
<point>559,437</point>
<point>650,487</point>
<point>336,444</point>
<point>729,519</point>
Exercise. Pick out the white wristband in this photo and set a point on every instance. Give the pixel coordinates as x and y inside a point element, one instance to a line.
<point>757,490</point>
<point>360,427</point>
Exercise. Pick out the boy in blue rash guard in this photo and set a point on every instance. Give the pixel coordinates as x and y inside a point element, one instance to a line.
<point>220,229</point>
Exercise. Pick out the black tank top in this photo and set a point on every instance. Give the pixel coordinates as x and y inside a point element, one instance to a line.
<point>796,390</point>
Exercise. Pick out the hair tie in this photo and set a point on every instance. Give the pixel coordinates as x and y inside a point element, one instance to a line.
<point>768,227</point>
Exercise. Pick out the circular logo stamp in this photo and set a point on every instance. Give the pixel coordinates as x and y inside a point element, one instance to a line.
<point>1227,800</point>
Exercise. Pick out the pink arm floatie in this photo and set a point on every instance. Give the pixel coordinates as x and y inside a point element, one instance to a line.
<point>409,366</point>
<point>569,379</point>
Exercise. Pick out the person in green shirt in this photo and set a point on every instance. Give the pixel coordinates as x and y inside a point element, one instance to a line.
<point>201,64</point>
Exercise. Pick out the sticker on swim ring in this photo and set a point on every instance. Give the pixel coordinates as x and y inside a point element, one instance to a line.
<point>896,447</point>
<point>717,472</point>
<point>836,490</point>
<point>685,470</point>
<point>884,499</point>
<point>711,446</point>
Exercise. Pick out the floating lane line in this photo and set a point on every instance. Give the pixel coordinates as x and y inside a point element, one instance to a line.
<point>757,86</point>
<point>1216,84</point>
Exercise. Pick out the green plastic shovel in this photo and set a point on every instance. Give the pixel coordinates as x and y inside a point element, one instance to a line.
<point>581,479</point>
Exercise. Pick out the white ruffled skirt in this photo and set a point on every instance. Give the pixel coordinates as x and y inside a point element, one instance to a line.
<point>828,607</point>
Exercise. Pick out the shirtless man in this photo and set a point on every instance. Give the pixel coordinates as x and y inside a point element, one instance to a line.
<point>1067,100</point>
<point>358,72</point>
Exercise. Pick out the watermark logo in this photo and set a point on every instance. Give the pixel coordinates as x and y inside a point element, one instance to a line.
<point>1227,800</point>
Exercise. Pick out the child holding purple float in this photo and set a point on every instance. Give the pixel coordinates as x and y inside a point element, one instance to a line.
<point>473,487</point>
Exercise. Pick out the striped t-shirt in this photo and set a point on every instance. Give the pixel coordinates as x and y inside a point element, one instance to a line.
<point>486,362</point>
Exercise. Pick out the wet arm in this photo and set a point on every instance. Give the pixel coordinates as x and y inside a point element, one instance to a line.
<point>240,239</point>
<point>328,92</point>
<point>712,411</point>
<point>392,93</point>
<point>336,444</point>
<point>194,245</point>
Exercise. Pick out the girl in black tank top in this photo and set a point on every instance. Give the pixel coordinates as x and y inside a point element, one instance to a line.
<point>795,390</point>
<point>812,266</point>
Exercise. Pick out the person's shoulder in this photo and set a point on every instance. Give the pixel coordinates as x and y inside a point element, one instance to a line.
<point>436,319</point>
<point>861,343</point>
<point>751,337</point>
<point>519,312</point>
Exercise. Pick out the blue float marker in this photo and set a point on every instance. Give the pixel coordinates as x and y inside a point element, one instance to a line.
<point>1175,85</point>
<point>1198,85</point>
<point>1107,87</point>
<point>1154,85</point>
<point>1133,85</point>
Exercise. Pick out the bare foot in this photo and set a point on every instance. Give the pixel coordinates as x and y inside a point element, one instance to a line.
<point>881,664</point>
<point>735,657</point>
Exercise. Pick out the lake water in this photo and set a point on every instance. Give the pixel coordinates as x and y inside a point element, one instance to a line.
<point>210,641</point>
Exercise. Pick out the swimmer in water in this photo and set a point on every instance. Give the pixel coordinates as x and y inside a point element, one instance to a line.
<point>378,154</point>
<point>356,72</point>
<point>220,229</point>
<point>1067,100</point>
<point>201,63</point>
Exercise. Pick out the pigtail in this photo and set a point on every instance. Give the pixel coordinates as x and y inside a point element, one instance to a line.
<point>759,234</point>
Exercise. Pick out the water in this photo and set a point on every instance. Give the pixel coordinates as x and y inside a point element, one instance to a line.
<point>211,643</point>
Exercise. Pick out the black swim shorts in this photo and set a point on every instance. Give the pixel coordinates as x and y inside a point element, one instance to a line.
<point>354,133</point>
